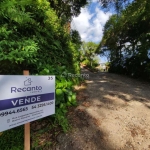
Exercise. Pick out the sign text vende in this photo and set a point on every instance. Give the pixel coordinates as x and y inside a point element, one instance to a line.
<point>24,96</point>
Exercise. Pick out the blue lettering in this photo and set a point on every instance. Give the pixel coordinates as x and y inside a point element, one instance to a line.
<point>13,89</point>
<point>24,89</point>
<point>29,89</point>
<point>40,88</point>
<point>33,88</point>
<point>19,89</point>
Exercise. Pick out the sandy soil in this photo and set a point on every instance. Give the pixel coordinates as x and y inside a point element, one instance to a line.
<point>113,114</point>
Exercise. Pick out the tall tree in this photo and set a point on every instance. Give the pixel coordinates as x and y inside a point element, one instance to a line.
<point>115,5</point>
<point>128,33</point>
<point>89,51</point>
<point>76,37</point>
<point>66,9</point>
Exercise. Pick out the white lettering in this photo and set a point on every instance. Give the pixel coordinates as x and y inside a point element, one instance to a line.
<point>33,99</point>
<point>27,100</point>
<point>14,103</point>
<point>38,98</point>
<point>20,101</point>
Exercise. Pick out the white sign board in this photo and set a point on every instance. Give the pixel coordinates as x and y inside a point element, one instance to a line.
<point>25,98</point>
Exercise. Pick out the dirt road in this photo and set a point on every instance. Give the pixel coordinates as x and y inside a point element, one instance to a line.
<point>113,114</point>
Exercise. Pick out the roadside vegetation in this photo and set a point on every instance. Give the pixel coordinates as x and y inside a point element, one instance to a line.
<point>89,57</point>
<point>36,35</point>
<point>127,40</point>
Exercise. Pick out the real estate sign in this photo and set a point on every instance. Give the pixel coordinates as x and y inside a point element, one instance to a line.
<point>25,98</point>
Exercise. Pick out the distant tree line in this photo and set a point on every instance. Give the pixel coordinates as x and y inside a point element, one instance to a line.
<point>127,39</point>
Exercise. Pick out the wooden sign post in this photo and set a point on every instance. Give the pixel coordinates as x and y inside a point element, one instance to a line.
<point>28,98</point>
<point>26,126</point>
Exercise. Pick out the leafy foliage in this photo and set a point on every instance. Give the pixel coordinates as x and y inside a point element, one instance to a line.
<point>127,38</point>
<point>115,5</point>
<point>65,96</point>
<point>25,47</point>
<point>68,8</point>
<point>32,37</point>
<point>76,37</point>
<point>88,54</point>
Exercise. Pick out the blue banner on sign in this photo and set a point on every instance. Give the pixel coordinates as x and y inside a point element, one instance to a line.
<point>27,100</point>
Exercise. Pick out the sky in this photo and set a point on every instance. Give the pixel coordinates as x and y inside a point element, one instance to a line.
<point>90,23</point>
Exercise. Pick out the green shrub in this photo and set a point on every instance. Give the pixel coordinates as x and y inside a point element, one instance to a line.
<point>32,37</point>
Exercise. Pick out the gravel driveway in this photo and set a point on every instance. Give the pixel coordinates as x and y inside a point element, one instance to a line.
<point>113,113</point>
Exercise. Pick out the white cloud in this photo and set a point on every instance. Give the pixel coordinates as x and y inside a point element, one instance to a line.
<point>89,25</point>
<point>94,0</point>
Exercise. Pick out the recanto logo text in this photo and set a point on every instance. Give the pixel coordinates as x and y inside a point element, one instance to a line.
<point>25,89</point>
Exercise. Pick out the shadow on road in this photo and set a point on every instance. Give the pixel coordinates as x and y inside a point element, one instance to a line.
<point>109,114</point>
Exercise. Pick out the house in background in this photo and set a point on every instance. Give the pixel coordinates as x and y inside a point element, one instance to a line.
<point>103,66</point>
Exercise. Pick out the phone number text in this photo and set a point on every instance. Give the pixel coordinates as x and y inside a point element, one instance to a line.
<point>2,114</point>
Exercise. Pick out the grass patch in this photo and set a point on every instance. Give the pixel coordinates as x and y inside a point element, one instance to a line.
<point>44,133</point>
<point>12,139</point>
